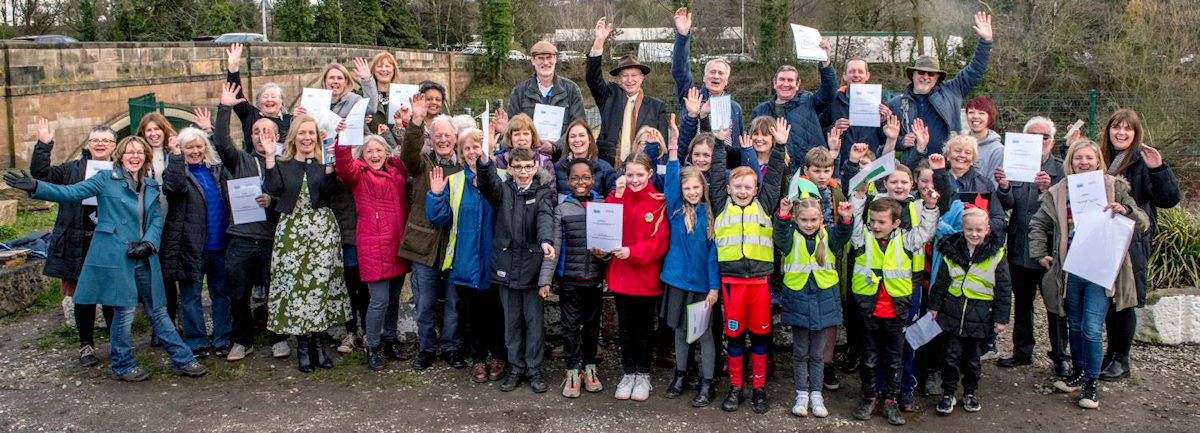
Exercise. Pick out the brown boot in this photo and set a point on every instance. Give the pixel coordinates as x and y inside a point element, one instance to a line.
<point>479,372</point>
<point>496,369</point>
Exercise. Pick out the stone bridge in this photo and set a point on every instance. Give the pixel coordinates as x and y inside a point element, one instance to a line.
<point>80,85</point>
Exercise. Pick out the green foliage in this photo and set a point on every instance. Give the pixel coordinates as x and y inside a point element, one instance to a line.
<point>400,28</point>
<point>364,20</point>
<point>294,19</point>
<point>772,25</point>
<point>328,22</point>
<point>217,17</point>
<point>496,31</point>
<point>87,21</point>
<point>29,222</point>
<point>1175,260</point>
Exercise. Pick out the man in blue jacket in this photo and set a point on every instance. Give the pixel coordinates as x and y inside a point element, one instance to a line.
<point>800,108</point>
<point>837,114</point>
<point>937,101</point>
<point>716,78</point>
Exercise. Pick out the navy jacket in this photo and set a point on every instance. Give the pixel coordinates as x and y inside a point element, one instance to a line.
<point>810,307</point>
<point>946,97</point>
<point>681,71</point>
<point>801,113</point>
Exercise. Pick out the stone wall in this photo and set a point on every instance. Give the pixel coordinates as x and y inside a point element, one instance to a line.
<point>81,85</point>
<point>20,285</point>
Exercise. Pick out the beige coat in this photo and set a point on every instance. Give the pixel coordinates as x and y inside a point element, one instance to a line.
<point>1050,222</point>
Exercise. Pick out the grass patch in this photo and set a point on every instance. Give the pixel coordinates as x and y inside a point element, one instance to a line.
<point>30,222</point>
<point>60,337</point>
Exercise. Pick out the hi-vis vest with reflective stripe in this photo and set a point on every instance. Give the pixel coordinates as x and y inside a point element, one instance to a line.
<point>743,233</point>
<point>894,265</point>
<point>918,256</point>
<point>457,182</point>
<point>977,281</point>
<point>801,264</point>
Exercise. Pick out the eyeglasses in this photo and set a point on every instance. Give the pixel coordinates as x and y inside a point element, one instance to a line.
<point>931,74</point>
<point>135,153</point>
<point>1046,136</point>
<point>521,167</point>
<point>100,141</point>
<point>579,178</point>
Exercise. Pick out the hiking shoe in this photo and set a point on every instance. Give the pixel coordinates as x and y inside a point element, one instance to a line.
<point>864,409</point>
<point>970,403</point>
<point>537,384</point>
<point>946,406</point>
<point>424,361</point>
<point>496,369</point>
<point>733,399</point>
<point>347,344</point>
<point>831,382</point>
<point>510,381</point>
<point>641,388</point>
<point>907,400</point>
<point>195,369</point>
<point>591,380</point>
<point>758,400</point>
<point>201,352</point>
<point>136,374</point>
<point>281,350</point>
<point>570,385</point>
<point>222,351</point>
<point>237,352</point>
<point>800,408</point>
<point>1072,384</point>
<point>817,403</point>
<point>479,372</point>
<point>625,387</point>
<point>892,411</point>
<point>87,356</point>
<point>375,360</point>
<point>1088,398</point>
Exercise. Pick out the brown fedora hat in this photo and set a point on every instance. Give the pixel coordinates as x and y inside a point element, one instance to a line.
<point>629,61</point>
<point>926,64</point>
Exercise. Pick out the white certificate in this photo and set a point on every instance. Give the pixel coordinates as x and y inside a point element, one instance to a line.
<point>399,95</point>
<point>864,104</point>
<point>720,116</point>
<point>1086,193</point>
<point>355,120</point>
<point>808,42</point>
<point>548,121</point>
<point>698,316</point>
<point>604,224</point>
<point>242,200</point>
<point>922,332</point>
<point>882,166</point>
<point>1100,244</point>
<point>487,127</point>
<point>316,101</point>
<point>1022,156</point>
<point>90,170</point>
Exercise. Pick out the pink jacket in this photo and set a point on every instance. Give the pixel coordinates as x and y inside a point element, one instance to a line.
<point>379,196</point>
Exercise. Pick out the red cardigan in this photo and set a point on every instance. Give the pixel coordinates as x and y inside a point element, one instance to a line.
<point>381,204</point>
<point>647,235</point>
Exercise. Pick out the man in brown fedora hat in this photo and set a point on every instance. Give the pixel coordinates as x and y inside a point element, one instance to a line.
<point>546,87</point>
<point>624,106</point>
<point>937,101</point>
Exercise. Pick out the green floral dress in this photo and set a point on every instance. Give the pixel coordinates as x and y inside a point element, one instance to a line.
<point>308,291</point>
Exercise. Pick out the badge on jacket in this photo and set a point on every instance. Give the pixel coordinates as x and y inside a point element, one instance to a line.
<point>649,216</point>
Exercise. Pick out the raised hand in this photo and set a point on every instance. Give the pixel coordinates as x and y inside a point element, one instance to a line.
<point>858,151</point>
<point>419,107</point>
<point>781,131</point>
<point>930,196</point>
<point>937,161</point>
<point>691,102</point>
<point>500,121</point>
<point>921,134</point>
<point>891,129</point>
<point>268,147</point>
<point>619,186</point>
<point>983,25</point>
<point>403,115</point>
<point>382,128</point>
<point>834,141</point>
<point>172,144</point>
<point>362,69</point>
<point>785,206</point>
<point>828,52</point>
<point>437,182</point>
<point>845,210</point>
<point>1001,179</point>
<point>233,57</point>
<point>683,21</point>
<point>229,93</point>
<point>746,141</point>
<point>603,30</point>
<point>44,133</point>
<point>203,118</point>
<point>1152,156</point>
<point>673,128</point>
<point>22,180</point>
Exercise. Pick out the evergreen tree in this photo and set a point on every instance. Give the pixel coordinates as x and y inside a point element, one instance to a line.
<point>329,22</point>
<point>400,28</point>
<point>294,19</point>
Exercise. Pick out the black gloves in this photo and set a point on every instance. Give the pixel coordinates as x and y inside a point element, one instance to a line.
<point>140,250</point>
<point>20,179</point>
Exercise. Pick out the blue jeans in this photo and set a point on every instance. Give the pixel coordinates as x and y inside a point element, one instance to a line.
<point>160,325</point>
<point>1087,305</point>
<point>429,284</point>
<point>195,333</point>
<point>383,313</point>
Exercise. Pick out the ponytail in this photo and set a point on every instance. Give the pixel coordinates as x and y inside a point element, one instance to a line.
<point>812,203</point>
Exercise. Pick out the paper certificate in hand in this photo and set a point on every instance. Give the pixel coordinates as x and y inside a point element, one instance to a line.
<point>1022,156</point>
<point>548,121</point>
<point>882,166</point>
<point>720,116</point>
<point>922,332</point>
<point>398,96</point>
<point>243,203</point>
<point>604,224</point>
<point>355,121</point>
<point>698,316</point>
<point>808,42</point>
<point>90,170</point>
<point>864,104</point>
<point>1100,244</point>
<point>1086,193</point>
<point>316,102</point>
<point>487,127</point>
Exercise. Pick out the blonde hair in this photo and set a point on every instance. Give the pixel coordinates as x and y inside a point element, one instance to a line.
<point>190,134</point>
<point>351,81</point>
<point>289,143</point>
<point>468,134</point>
<point>811,203</point>
<point>1083,143</point>
<point>976,212</point>
<point>688,209</point>
<point>741,171</point>
<point>957,140</point>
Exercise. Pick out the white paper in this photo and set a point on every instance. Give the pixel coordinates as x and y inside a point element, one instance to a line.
<point>399,95</point>
<point>355,122</point>
<point>1022,156</point>
<point>1086,193</point>
<point>698,316</point>
<point>808,42</point>
<point>548,121</point>
<point>604,224</point>
<point>1078,124</point>
<point>242,203</point>
<point>922,332</point>
<point>90,170</point>
<point>880,167</point>
<point>487,128</point>
<point>720,116</point>
<point>1100,244</point>
<point>864,104</point>
<point>328,123</point>
<point>316,101</point>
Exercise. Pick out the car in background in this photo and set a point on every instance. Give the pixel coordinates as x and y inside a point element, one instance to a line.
<point>731,58</point>
<point>474,51</point>
<point>241,38</point>
<point>568,55</point>
<point>47,39</point>
<point>517,55</point>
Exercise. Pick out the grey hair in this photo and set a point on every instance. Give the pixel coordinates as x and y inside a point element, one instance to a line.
<point>105,129</point>
<point>190,134</point>
<point>387,148</point>
<point>1041,120</point>
<point>443,118</point>
<point>718,61</point>
<point>462,121</point>
<point>271,86</point>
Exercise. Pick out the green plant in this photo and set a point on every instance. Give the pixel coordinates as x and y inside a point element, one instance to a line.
<point>1175,260</point>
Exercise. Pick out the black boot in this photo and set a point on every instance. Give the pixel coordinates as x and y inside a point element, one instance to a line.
<point>865,408</point>
<point>734,399</point>
<point>317,347</point>
<point>677,384</point>
<point>1062,368</point>
<point>1088,398</point>
<point>704,395</point>
<point>394,349</point>
<point>375,358</point>
<point>758,401</point>
<point>892,411</point>
<point>1117,369</point>
<point>303,355</point>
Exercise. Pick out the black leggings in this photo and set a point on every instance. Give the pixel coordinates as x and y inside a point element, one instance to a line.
<point>85,322</point>
<point>635,324</point>
<point>360,296</point>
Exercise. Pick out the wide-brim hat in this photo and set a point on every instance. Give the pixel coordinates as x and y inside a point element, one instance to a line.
<point>543,47</point>
<point>629,61</point>
<point>926,64</point>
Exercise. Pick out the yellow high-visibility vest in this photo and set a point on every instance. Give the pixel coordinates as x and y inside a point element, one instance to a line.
<point>977,281</point>
<point>894,266</point>
<point>801,264</point>
<point>457,182</point>
<point>743,233</point>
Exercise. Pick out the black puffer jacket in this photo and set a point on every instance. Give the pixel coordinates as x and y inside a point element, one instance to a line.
<point>1152,189</point>
<point>523,221</point>
<point>342,204</point>
<point>570,231</point>
<point>64,259</point>
<point>970,317</point>
<point>184,229</point>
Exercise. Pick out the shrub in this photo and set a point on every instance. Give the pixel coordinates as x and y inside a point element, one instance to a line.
<point>1175,260</point>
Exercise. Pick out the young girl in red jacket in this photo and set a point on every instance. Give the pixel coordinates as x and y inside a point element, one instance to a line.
<point>634,271</point>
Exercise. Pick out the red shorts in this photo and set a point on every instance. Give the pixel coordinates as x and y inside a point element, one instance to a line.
<point>747,305</point>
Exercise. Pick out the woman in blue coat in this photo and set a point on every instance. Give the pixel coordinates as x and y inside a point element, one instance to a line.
<point>122,263</point>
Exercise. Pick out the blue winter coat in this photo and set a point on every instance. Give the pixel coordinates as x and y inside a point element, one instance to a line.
<point>473,243</point>
<point>691,262</point>
<point>946,97</point>
<point>107,275</point>
<point>801,113</point>
<point>681,71</point>
<point>810,308</point>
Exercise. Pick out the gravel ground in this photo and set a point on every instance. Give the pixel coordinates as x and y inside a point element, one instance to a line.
<point>42,389</point>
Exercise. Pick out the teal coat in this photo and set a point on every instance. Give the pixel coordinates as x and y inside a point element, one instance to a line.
<point>107,276</point>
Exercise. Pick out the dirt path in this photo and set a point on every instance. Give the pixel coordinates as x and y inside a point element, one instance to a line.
<point>42,389</point>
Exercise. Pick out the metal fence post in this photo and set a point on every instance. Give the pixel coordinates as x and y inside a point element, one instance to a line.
<point>1092,113</point>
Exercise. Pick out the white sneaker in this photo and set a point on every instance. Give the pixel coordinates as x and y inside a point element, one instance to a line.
<point>641,388</point>
<point>817,402</point>
<point>238,352</point>
<point>625,388</point>
<point>801,406</point>
<point>281,349</point>
<point>347,345</point>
